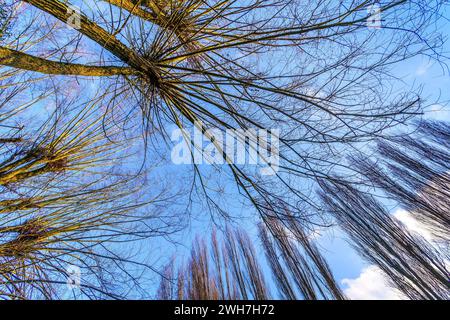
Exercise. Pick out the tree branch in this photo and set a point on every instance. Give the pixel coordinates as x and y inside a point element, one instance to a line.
<point>96,33</point>
<point>20,60</point>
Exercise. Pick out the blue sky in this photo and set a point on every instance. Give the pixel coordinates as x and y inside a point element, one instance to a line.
<point>357,278</point>
<point>345,263</point>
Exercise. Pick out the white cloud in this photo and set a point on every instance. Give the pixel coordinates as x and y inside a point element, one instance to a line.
<point>412,224</point>
<point>370,285</point>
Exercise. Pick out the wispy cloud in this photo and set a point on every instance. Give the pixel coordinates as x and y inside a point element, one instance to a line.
<point>424,68</point>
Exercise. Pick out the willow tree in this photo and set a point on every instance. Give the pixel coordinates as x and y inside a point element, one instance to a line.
<point>413,170</point>
<point>314,70</point>
<point>410,263</point>
<point>65,203</point>
<point>231,269</point>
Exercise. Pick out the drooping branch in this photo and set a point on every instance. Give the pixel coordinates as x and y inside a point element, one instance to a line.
<point>296,262</point>
<point>414,171</point>
<point>228,270</point>
<point>412,265</point>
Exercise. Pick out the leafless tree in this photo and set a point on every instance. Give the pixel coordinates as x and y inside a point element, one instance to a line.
<point>298,267</point>
<point>414,170</point>
<point>313,69</point>
<point>63,204</point>
<point>229,270</point>
<point>413,266</point>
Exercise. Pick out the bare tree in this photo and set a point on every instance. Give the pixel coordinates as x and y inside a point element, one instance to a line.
<point>312,69</point>
<point>298,267</point>
<point>229,270</point>
<point>64,204</point>
<point>414,171</point>
<point>413,266</point>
